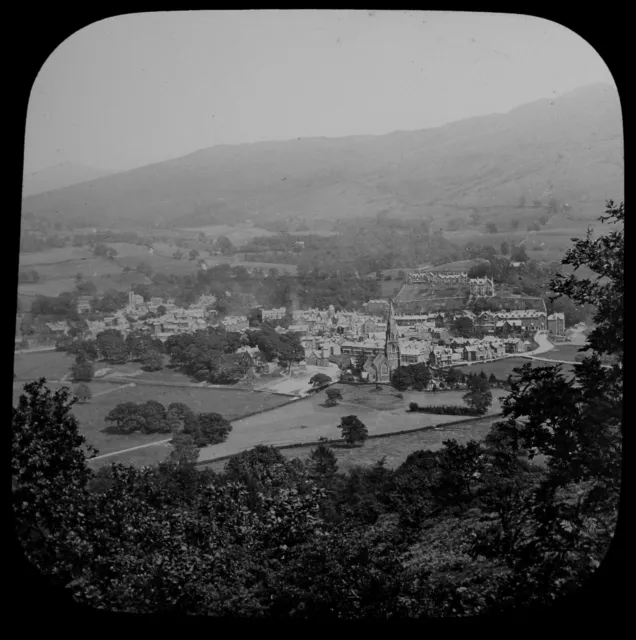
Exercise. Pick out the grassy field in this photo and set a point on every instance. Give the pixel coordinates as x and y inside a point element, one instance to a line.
<point>52,256</point>
<point>395,449</point>
<point>562,352</point>
<point>503,368</point>
<point>28,292</point>
<point>230,404</point>
<point>50,364</point>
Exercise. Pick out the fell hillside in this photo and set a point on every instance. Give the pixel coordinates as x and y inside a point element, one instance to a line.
<point>60,176</point>
<point>570,148</point>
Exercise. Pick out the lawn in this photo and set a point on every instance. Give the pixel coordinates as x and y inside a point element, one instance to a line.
<point>562,352</point>
<point>231,404</point>
<point>309,419</point>
<point>48,364</point>
<point>503,368</point>
<point>52,256</point>
<point>52,288</point>
<point>395,448</point>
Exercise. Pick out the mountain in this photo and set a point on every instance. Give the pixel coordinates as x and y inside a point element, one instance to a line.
<point>59,176</point>
<point>570,148</point>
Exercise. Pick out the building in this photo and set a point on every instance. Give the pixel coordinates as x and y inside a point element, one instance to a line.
<point>556,324</point>
<point>84,304</point>
<point>382,366</point>
<point>272,314</point>
<point>484,287</point>
<point>134,299</point>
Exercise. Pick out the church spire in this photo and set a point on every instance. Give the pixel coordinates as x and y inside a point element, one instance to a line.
<point>392,334</point>
<point>392,345</point>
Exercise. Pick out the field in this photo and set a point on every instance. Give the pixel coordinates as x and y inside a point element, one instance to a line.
<point>49,364</point>
<point>52,256</point>
<point>395,449</point>
<point>503,368</point>
<point>229,403</point>
<point>307,420</point>
<point>562,352</point>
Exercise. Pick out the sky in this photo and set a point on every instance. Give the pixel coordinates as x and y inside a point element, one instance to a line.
<point>137,89</point>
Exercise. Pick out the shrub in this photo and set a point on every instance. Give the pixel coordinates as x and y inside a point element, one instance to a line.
<point>353,430</point>
<point>413,406</point>
<point>447,409</point>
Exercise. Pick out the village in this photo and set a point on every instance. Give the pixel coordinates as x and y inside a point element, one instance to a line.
<point>349,339</point>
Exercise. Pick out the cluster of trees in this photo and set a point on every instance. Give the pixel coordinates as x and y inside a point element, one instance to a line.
<point>470,529</point>
<point>112,347</point>
<point>414,376</point>
<point>104,251</point>
<point>201,429</point>
<point>284,347</point>
<point>208,355</point>
<point>32,242</point>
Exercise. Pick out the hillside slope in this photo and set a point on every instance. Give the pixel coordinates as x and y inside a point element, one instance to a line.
<point>60,176</point>
<point>570,148</point>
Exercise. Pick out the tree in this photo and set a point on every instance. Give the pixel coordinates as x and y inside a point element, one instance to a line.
<point>504,249</point>
<point>353,430</point>
<point>49,481</point>
<point>605,257</point>
<point>521,202</point>
<point>82,370</point>
<point>464,326</point>
<point>401,379</point>
<point>184,450</point>
<point>112,346</point>
<point>333,395</point>
<point>479,396</point>
<point>492,380</point>
<point>152,361</point>
<point>518,254</point>
<point>491,227</point>
<point>161,310</point>
<point>224,245</point>
<point>323,462</point>
<point>514,224</point>
<point>83,393</point>
<point>178,254</point>
<point>122,415</point>
<point>208,428</point>
<point>452,377</point>
<point>320,380</point>
<point>194,254</point>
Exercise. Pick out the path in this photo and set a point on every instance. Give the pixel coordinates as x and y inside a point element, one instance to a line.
<point>141,446</point>
<point>103,393</point>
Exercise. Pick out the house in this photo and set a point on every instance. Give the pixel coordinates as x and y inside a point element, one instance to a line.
<point>514,345</point>
<point>135,300</point>
<point>441,357</point>
<point>301,329</point>
<point>470,353</point>
<point>317,359</point>
<point>58,328</point>
<point>84,304</point>
<point>556,324</point>
<point>272,314</point>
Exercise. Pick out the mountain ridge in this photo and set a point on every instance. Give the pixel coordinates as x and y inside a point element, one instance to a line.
<point>569,146</point>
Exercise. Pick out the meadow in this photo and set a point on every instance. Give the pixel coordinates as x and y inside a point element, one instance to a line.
<point>503,368</point>
<point>231,404</point>
<point>566,352</point>
<point>393,448</point>
<point>51,365</point>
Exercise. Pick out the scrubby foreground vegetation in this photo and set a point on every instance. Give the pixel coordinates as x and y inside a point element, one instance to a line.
<point>470,529</point>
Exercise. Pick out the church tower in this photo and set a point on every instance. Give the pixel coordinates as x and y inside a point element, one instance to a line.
<point>392,346</point>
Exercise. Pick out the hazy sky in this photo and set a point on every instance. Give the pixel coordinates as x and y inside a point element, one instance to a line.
<point>142,88</point>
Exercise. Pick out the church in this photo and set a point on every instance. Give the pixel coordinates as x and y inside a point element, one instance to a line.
<point>381,366</point>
